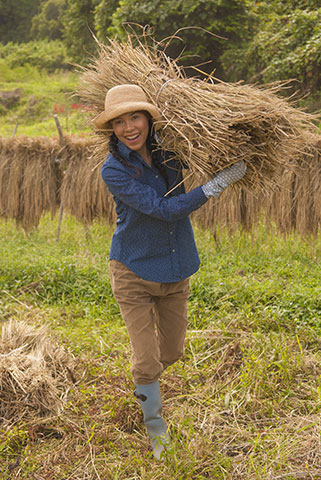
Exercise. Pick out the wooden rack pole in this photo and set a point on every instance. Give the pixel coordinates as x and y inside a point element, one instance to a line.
<point>61,209</point>
<point>14,130</point>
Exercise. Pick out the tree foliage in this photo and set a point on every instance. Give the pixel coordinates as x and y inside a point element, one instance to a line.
<point>47,24</point>
<point>78,23</point>
<point>16,18</point>
<point>43,54</point>
<point>286,44</point>
<point>103,14</point>
<point>205,26</point>
<point>249,40</point>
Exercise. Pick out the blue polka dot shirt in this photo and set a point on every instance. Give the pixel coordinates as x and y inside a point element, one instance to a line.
<point>153,236</point>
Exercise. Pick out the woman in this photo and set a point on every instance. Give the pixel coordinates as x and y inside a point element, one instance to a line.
<point>153,252</point>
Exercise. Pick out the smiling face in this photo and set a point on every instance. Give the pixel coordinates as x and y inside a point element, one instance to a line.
<point>132,129</point>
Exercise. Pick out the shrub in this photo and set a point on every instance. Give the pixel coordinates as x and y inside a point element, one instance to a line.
<point>46,55</point>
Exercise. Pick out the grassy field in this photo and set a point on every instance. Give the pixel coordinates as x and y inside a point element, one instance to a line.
<point>42,96</point>
<point>243,403</point>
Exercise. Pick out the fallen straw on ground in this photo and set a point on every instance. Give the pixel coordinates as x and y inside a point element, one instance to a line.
<point>35,373</point>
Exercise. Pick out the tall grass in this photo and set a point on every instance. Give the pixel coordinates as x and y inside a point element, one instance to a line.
<point>243,403</point>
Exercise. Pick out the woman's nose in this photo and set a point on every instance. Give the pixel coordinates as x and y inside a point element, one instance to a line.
<point>128,125</point>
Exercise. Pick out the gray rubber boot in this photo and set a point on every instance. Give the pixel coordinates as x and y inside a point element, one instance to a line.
<point>150,401</point>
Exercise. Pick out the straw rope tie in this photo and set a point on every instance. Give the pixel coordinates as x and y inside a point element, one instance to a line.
<point>162,87</point>
<point>157,137</point>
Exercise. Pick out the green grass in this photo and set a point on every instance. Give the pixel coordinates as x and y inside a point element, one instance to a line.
<point>243,403</point>
<point>42,96</point>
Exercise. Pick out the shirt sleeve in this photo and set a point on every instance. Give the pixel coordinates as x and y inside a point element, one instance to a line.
<point>146,200</point>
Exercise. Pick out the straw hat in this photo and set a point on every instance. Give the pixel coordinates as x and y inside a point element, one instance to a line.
<point>124,99</point>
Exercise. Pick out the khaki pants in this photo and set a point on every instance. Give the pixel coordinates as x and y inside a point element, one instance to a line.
<point>155,315</point>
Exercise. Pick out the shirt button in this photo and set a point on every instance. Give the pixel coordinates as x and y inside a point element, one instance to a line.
<point>171,233</point>
<point>156,176</point>
<point>173,250</point>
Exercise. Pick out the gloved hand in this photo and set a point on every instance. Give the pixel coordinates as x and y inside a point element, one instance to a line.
<point>224,178</point>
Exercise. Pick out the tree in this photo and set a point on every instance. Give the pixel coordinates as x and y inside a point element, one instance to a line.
<point>15,19</point>
<point>223,18</point>
<point>78,22</point>
<point>47,24</point>
<point>286,44</point>
<point>103,18</point>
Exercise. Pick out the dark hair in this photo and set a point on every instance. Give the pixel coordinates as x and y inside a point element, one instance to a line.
<point>113,148</point>
<point>152,148</point>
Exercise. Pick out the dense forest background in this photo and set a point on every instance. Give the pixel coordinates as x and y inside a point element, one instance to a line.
<point>257,41</point>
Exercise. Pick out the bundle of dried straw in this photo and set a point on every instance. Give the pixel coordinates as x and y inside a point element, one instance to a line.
<point>293,206</point>
<point>208,124</point>
<point>35,373</point>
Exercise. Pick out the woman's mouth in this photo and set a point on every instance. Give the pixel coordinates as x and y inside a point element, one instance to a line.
<point>133,138</point>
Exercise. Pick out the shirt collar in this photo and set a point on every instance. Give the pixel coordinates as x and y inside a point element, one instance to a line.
<point>129,154</point>
<point>124,151</point>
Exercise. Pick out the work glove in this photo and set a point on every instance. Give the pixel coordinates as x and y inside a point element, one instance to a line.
<point>224,178</point>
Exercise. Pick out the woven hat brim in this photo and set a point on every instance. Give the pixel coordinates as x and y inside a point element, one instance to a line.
<point>102,121</point>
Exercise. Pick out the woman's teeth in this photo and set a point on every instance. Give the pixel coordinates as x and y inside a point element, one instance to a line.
<point>133,138</point>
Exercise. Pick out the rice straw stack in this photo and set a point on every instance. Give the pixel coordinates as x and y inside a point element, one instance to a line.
<point>83,192</point>
<point>235,208</point>
<point>35,373</point>
<point>296,205</point>
<point>208,124</point>
<point>29,179</point>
